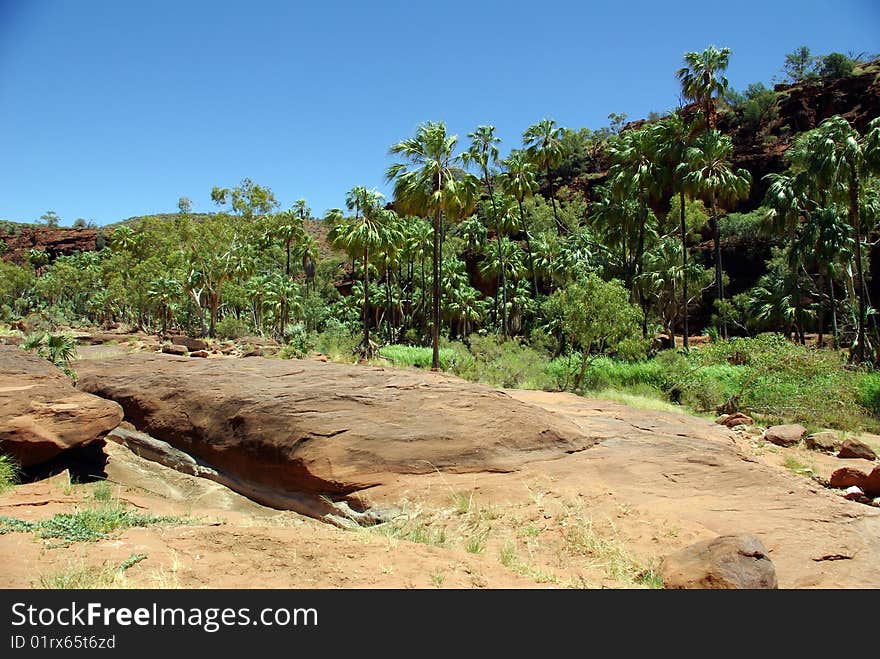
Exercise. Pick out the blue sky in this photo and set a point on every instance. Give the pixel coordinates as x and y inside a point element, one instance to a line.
<point>111,109</point>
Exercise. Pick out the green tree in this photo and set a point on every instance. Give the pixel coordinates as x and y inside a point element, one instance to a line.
<point>703,82</point>
<point>50,219</point>
<point>543,142</point>
<point>430,183</point>
<point>836,65</point>
<point>519,180</point>
<point>800,65</point>
<point>483,152</point>
<point>711,176</point>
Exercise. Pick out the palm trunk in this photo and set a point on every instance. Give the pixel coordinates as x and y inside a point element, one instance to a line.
<point>719,282</point>
<point>561,229</point>
<point>684,281</point>
<point>522,220</point>
<point>834,341</point>
<point>500,255</point>
<point>855,222</point>
<point>639,263</point>
<point>435,326</point>
<point>366,302</point>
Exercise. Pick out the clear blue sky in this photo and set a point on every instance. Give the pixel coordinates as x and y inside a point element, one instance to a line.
<point>110,109</point>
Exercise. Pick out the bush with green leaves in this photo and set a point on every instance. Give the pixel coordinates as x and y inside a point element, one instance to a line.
<point>415,356</point>
<point>60,349</point>
<point>230,327</point>
<point>298,342</point>
<point>8,473</point>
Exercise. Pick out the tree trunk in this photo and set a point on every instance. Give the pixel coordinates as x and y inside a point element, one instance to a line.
<point>684,281</point>
<point>522,220</point>
<point>366,302</point>
<point>561,229</point>
<point>855,222</point>
<point>435,326</point>
<point>834,340</point>
<point>719,282</point>
<point>500,256</point>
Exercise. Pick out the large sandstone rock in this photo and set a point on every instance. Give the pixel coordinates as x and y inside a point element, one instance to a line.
<point>328,429</point>
<point>853,448</point>
<point>729,561</point>
<point>42,414</point>
<point>785,435</point>
<point>849,477</point>
<point>190,343</point>
<point>826,441</point>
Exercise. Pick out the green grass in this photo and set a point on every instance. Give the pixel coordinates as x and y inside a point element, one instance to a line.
<point>8,473</point>
<point>86,525</point>
<point>90,577</point>
<point>403,356</point>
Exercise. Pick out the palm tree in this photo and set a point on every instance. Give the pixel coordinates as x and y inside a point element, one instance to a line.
<point>845,156</point>
<point>636,167</point>
<point>482,152</point>
<point>430,183</point>
<point>543,142</point>
<point>674,137</point>
<point>360,235</point>
<point>702,80</point>
<point>518,180</point>
<point>713,177</point>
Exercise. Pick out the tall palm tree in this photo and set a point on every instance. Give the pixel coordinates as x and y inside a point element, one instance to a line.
<point>518,180</point>
<point>713,177</point>
<point>358,236</point>
<point>483,152</point>
<point>847,157</point>
<point>674,137</point>
<point>543,142</point>
<point>431,183</point>
<point>702,80</point>
<point>636,168</point>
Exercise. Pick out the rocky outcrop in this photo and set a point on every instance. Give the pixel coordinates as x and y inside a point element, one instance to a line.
<point>846,477</point>
<point>55,241</point>
<point>42,414</point>
<point>326,429</point>
<point>725,562</point>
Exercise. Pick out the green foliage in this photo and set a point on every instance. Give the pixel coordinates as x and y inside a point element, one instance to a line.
<point>868,392</point>
<point>8,473</point>
<point>404,356</point>
<point>86,525</point>
<point>60,349</point>
<point>230,327</point>
<point>743,226</point>
<point>298,342</point>
<point>836,65</point>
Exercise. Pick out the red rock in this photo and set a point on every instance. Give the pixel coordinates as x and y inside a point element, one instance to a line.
<point>853,448</point>
<point>725,562</point>
<point>871,484</point>
<point>785,435</point>
<point>847,477</point>
<point>42,414</point>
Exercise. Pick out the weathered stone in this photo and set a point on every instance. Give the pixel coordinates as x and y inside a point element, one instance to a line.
<point>853,448</point>
<point>42,414</point>
<point>853,493</point>
<point>199,353</point>
<point>826,441</point>
<point>190,343</point>
<point>785,435</point>
<point>731,561</point>
<point>299,425</point>
<point>174,350</point>
<point>847,477</point>
<point>735,419</point>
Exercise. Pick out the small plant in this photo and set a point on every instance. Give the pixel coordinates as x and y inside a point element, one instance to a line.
<point>437,578</point>
<point>507,555</point>
<point>8,473</point>
<point>796,467</point>
<point>85,525</point>
<point>91,577</point>
<point>102,492</point>
<point>60,349</point>
<point>476,543</point>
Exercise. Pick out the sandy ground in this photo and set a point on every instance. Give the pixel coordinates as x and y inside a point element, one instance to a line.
<point>603,517</point>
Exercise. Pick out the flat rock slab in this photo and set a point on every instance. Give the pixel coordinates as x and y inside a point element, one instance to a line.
<point>326,428</point>
<point>42,414</point>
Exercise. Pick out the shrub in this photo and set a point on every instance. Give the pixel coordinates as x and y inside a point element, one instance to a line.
<point>230,327</point>
<point>503,364</point>
<point>337,341</point>
<point>868,392</point>
<point>298,342</point>
<point>8,473</point>
<point>413,356</point>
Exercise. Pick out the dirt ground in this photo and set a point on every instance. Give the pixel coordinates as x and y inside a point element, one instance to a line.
<point>603,517</point>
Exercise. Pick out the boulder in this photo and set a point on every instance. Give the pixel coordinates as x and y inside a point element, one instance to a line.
<point>199,353</point>
<point>853,493</point>
<point>826,441</point>
<point>728,561</point>
<point>42,414</point>
<point>785,435</point>
<point>174,349</point>
<point>324,428</point>
<point>871,484</point>
<point>853,448</point>
<point>735,419</point>
<point>847,477</point>
<point>190,343</point>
